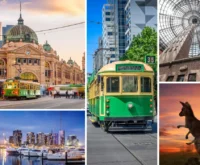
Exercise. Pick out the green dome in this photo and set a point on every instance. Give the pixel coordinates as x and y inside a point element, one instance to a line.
<point>47,47</point>
<point>21,31</point>
<point>70,61</point>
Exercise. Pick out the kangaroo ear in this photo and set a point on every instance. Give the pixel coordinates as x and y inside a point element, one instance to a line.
<point>182,103</point>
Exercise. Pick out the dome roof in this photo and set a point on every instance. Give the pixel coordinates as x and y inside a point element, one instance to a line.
<point>47,47</point>
<point>21,32</point>
<point>70,61</point>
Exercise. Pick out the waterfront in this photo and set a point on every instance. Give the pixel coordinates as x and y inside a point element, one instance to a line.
<point>6,159</point>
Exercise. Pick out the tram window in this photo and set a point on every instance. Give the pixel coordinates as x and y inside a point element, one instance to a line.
<point>102,84</point>
<point>145,84</point>
<point>5,86</point>
<point>130,84</point>
<point>14,86</point>
<point>113,84</point>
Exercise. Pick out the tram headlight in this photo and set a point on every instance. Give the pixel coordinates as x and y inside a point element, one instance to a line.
<point>130,105</point>
<point>107,112</point>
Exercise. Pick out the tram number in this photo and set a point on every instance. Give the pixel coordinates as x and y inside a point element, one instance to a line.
<point>130,68</point>
<point>150,59</point>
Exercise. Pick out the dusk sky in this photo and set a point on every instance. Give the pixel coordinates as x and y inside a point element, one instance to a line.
<point>173,139</point>
<point>45,14</point>
<point>94,31</point>
<point>73,122</point>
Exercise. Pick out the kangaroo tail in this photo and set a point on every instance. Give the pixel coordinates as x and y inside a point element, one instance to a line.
<point>197,144</point>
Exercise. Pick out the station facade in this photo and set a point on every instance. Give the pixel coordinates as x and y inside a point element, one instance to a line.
<point>22,56</point>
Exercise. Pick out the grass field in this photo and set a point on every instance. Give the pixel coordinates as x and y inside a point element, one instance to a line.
<point>180,158</point>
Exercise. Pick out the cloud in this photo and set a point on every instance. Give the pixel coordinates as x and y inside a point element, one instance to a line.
<point>66,7</point>
<point>163,132</point>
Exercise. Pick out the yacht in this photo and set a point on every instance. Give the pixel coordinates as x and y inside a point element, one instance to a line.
<point>32,152</point>
<point>43,153</point>
<point>12,151</point>
<point>22,150</point>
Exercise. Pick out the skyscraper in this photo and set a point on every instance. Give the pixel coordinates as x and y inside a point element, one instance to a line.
<point>17,137</point>
<point>138,14</point>
<point>72,140</point>
<point>40,138</point>
<point>49,139</point>
<point>61,139</point>
<point>30,138</point>
<point>55,138</point>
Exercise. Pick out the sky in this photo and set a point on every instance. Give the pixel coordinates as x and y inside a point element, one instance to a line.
<point>73,122</point>
<point>46,14</point>
<point>173,139</point>
<point>94,30</point>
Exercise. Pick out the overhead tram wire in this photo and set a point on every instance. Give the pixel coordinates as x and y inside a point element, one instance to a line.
<point>57,28</point>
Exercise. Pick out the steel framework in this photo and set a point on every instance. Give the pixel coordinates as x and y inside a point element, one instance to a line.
<point>177,16</point>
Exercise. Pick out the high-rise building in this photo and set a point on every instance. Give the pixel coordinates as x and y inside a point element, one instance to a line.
<point>11,140</point>
<point>139,14</point>
<point>40,138</point>
<point>61,140</point>
<point>98,56</point>
<point>17,137</point>
<point>110,35</point>
<point>72,140</point>
<point>30,138</point>
<point>55,138</point>
<point>49,139</point>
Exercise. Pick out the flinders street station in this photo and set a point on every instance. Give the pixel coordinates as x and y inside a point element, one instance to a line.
<point>22,56</point>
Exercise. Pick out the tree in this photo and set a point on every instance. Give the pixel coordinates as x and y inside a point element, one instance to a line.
<point>143,44</point>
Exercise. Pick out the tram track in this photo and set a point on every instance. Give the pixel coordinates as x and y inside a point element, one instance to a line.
<point>136,157</point>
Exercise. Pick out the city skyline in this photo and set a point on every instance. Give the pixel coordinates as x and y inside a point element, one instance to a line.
<point>42,15</point>
<point>72,123</point>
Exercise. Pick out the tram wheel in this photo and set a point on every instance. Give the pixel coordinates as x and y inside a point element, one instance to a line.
<point>105,127</point>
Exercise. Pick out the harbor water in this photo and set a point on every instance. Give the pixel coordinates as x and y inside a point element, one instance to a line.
<point>6,159</point>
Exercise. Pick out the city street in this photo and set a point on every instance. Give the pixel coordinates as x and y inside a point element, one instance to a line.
<point>123,148</point>
<point>46,102</point>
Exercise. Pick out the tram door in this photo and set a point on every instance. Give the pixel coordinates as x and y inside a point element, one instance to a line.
<point>101,103</point>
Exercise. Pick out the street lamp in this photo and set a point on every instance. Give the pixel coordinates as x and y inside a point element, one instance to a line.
<point>5,73</point>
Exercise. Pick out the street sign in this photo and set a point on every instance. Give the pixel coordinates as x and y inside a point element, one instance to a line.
<point>150,59</point>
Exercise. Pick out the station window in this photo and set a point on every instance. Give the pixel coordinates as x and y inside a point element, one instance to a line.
<point>192,77</point>
<point>180,77</point>
<point>145,84</point>
<point>170,78</point>
<point>129,84</point>
<point>113,84</point>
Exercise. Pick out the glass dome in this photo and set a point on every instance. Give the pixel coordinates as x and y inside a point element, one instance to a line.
<point>177,16</point>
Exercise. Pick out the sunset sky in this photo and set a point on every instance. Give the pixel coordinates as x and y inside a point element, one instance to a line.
<point>45,14</point>
<point>173,139</point>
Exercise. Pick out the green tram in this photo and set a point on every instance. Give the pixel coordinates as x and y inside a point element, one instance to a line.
<point>121,95</point>
<point>20,89</point>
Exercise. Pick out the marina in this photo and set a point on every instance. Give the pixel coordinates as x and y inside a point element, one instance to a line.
<point>26,156</point>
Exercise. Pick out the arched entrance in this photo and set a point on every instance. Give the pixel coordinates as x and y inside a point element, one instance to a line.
<point>2,69</point>
<point>29,76</point>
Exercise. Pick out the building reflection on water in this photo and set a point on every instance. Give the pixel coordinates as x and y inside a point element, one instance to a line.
<point>22,160</point>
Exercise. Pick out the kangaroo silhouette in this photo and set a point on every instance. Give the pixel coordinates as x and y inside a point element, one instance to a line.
<point>192,123</point>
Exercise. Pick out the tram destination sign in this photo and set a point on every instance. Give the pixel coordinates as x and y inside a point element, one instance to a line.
<point>129,68</point>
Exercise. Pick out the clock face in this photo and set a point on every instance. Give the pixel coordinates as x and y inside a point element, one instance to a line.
<point>28,52</point>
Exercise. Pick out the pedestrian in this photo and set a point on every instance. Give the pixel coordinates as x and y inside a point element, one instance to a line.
<point>54,94</point>
<point>66,94</point>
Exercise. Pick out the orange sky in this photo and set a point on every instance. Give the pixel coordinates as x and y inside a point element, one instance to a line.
<point>45,14</point>
<point>173,139</point>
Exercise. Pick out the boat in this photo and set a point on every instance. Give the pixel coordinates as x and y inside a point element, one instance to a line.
<point>43,153</point>
<point>56,156</point>
<point>76,154</point>
<point>32,152</point>
<point>22,150</point>
<point>12,151</point>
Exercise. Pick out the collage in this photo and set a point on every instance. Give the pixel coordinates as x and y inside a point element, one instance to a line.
<point>99,82</point>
